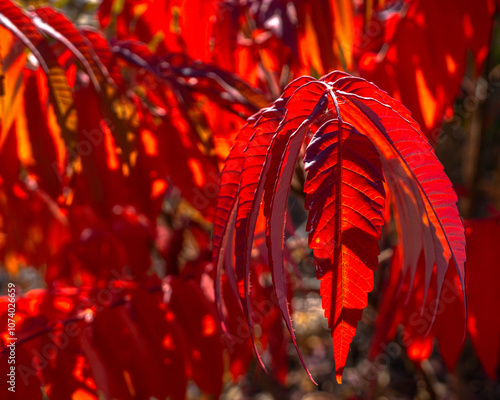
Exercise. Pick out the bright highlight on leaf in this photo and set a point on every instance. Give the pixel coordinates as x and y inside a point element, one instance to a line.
<point>353,137</point>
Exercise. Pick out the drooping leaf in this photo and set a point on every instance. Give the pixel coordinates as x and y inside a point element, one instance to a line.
<point>345,194</point>
<point>360,137</point>
<point>241,192</point>
<point>411,166</point>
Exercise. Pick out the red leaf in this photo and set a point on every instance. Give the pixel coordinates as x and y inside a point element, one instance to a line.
<point>358,123</point>
<point>248,156</point>
<point>345,194</point>
<point>411,166</point>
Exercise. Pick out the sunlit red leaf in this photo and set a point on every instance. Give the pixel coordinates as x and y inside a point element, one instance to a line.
<point>345,189</point>
<point>357,123</point>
